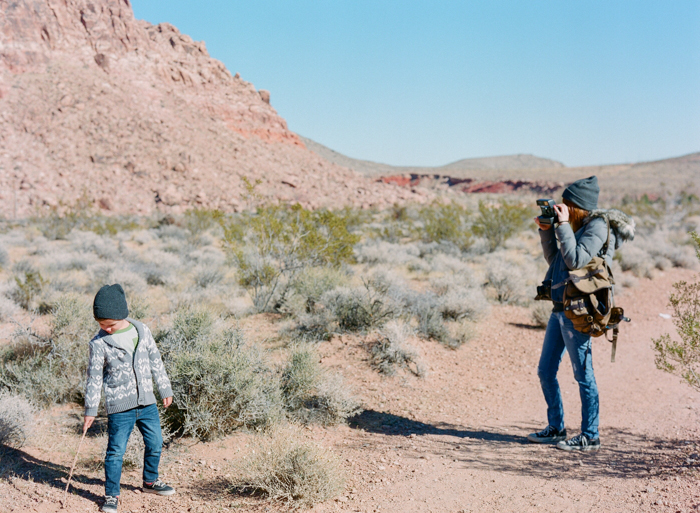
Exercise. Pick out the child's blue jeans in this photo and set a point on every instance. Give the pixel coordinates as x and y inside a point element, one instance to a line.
<point>562,336</point>
<point>119,427</point>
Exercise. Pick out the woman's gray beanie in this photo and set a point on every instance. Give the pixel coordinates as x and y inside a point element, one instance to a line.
<point>583,193</point>
<point>110,303</point>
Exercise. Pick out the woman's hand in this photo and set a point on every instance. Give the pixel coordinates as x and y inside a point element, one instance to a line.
<point>167,401</point>
<point>542,226</point>
<point>562,213</point>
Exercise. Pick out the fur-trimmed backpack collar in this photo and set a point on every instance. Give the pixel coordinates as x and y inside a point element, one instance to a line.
<point>620,223</point>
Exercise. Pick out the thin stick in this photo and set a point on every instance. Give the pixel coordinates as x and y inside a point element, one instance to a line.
<point>65,493</point>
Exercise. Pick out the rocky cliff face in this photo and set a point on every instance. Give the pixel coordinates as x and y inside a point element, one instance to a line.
<point>139,117</point>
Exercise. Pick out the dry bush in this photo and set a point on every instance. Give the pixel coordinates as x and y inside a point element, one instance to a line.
<point>284,469</point>
<point>391,351</point>
<point>460,332</point>
<point>4,258</point>
<point>507,279</point>
<point>16,420</point>
<point>540,313</point>
<point>8,308</point>
<point>376,251</point>
<point>312,283</point>
<point>311,393</point>
<point>51,370</point>
<point>361,308</point>
<point>636,260</point>
<point>220,383</point>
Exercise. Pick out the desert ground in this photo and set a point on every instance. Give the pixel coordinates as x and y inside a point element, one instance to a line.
<point>452,441</point>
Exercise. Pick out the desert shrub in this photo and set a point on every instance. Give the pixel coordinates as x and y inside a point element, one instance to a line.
<point>220,383</point>
<point>682,357</point>
<point>8,308</point>
<point>206,277</point>
<point>199,220</point>
<point>540,313</point>
<point>497,223</point>
<point>361,308</point>
<point>4,258</point>
<point>316,326</point>
<point>390,350</point>
<point>376,251</point>
<point>460,332</point>
<point>636,260</point>
<point>459,297</point>
<point>29,286</point>
<point>278,242</point>
<point>446,223</point>
<point>507,279</point>
<point>312,394</point>
<point>284,469</point>
<point>190,324</point>
<point>16,420</point>
<point>51,370</point>
<point>312,283</point>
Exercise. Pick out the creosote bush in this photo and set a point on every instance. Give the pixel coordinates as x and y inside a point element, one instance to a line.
<point>682,357</point>
<point>285,469</point>
<point>446,223</point>
<point>497,223</point>
<point>16,420</point>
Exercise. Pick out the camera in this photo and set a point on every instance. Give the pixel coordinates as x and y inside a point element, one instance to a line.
<point>549,215</point>
<point>544,291</point>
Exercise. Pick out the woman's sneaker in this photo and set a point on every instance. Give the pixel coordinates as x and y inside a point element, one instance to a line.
<point>158,487</point>
<point>579,443</point>
<point>110,504</point>
<point>547,436</point>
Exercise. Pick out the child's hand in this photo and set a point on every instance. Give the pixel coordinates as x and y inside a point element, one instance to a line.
<point>87,422</point>
<point>167,401</point>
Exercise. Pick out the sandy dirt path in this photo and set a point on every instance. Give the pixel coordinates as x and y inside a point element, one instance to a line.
<point>453,441</point>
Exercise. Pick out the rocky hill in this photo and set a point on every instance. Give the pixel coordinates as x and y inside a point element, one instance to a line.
<point>136,117</point>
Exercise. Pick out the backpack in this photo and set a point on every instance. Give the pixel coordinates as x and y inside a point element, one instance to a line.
<point>589,301</point>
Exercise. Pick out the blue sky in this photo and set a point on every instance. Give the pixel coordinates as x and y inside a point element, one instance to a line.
<point>427,83</point>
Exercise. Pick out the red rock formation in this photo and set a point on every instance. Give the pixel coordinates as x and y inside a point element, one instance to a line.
<point>136,117</point>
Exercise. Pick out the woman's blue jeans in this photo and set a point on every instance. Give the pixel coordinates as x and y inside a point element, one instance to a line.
<point>119,427</point>
<point>559,337</point>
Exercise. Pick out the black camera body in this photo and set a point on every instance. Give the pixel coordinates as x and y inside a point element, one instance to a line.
<point>544,291</point>
<point>549,215</point>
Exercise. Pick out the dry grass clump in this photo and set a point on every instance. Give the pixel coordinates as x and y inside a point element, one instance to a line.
<point>284,469</point>
<point>540,313</point>
<point>506,278</point>
<point>391,351</point>
<point>312,394</point>
<point>16,420</point>
<point>4,258</point>
<point>51,370</point>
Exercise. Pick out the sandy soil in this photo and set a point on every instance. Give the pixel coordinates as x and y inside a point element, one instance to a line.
<point>450,442</point>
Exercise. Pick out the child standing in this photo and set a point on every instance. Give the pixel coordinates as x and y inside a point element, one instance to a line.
<point>124,357</point>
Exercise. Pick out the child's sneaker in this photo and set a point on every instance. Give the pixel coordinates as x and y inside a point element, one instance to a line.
<point>110,504</point>
<point>579,443</point>
<point>158,487</point>
<point>547,436</point>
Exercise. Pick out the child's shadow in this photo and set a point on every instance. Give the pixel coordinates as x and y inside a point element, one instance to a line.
<point>18,463</point>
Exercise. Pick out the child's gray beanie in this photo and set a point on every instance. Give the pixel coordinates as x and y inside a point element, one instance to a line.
<point>110,303</point>
<point>583,193</point>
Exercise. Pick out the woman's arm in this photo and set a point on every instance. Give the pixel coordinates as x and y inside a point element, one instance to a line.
<point>577,254</point>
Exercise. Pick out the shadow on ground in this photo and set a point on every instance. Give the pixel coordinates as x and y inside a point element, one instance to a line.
<point>15,463</point>
<point>623,454</point>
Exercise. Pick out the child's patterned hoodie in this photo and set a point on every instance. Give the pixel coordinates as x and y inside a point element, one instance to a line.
<point>128,379</point>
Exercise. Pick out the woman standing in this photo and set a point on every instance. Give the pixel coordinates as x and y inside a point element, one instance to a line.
<point>580,234</point>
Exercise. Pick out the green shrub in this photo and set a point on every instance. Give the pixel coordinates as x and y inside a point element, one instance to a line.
<point>51,370</point>
<point>272,245</point>
<point>312,394</point>
<point>497,223</point>
<point>30,285</point>
<point>284,469</point>
<point>446,223</point>
<point>220,384</point>
<point>682,357</point>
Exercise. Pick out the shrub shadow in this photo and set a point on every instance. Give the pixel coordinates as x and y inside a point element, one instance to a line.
<point>624,454</point>
<point>527,326</point>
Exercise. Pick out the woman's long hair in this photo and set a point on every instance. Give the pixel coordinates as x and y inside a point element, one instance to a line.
<point>576,215</point>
